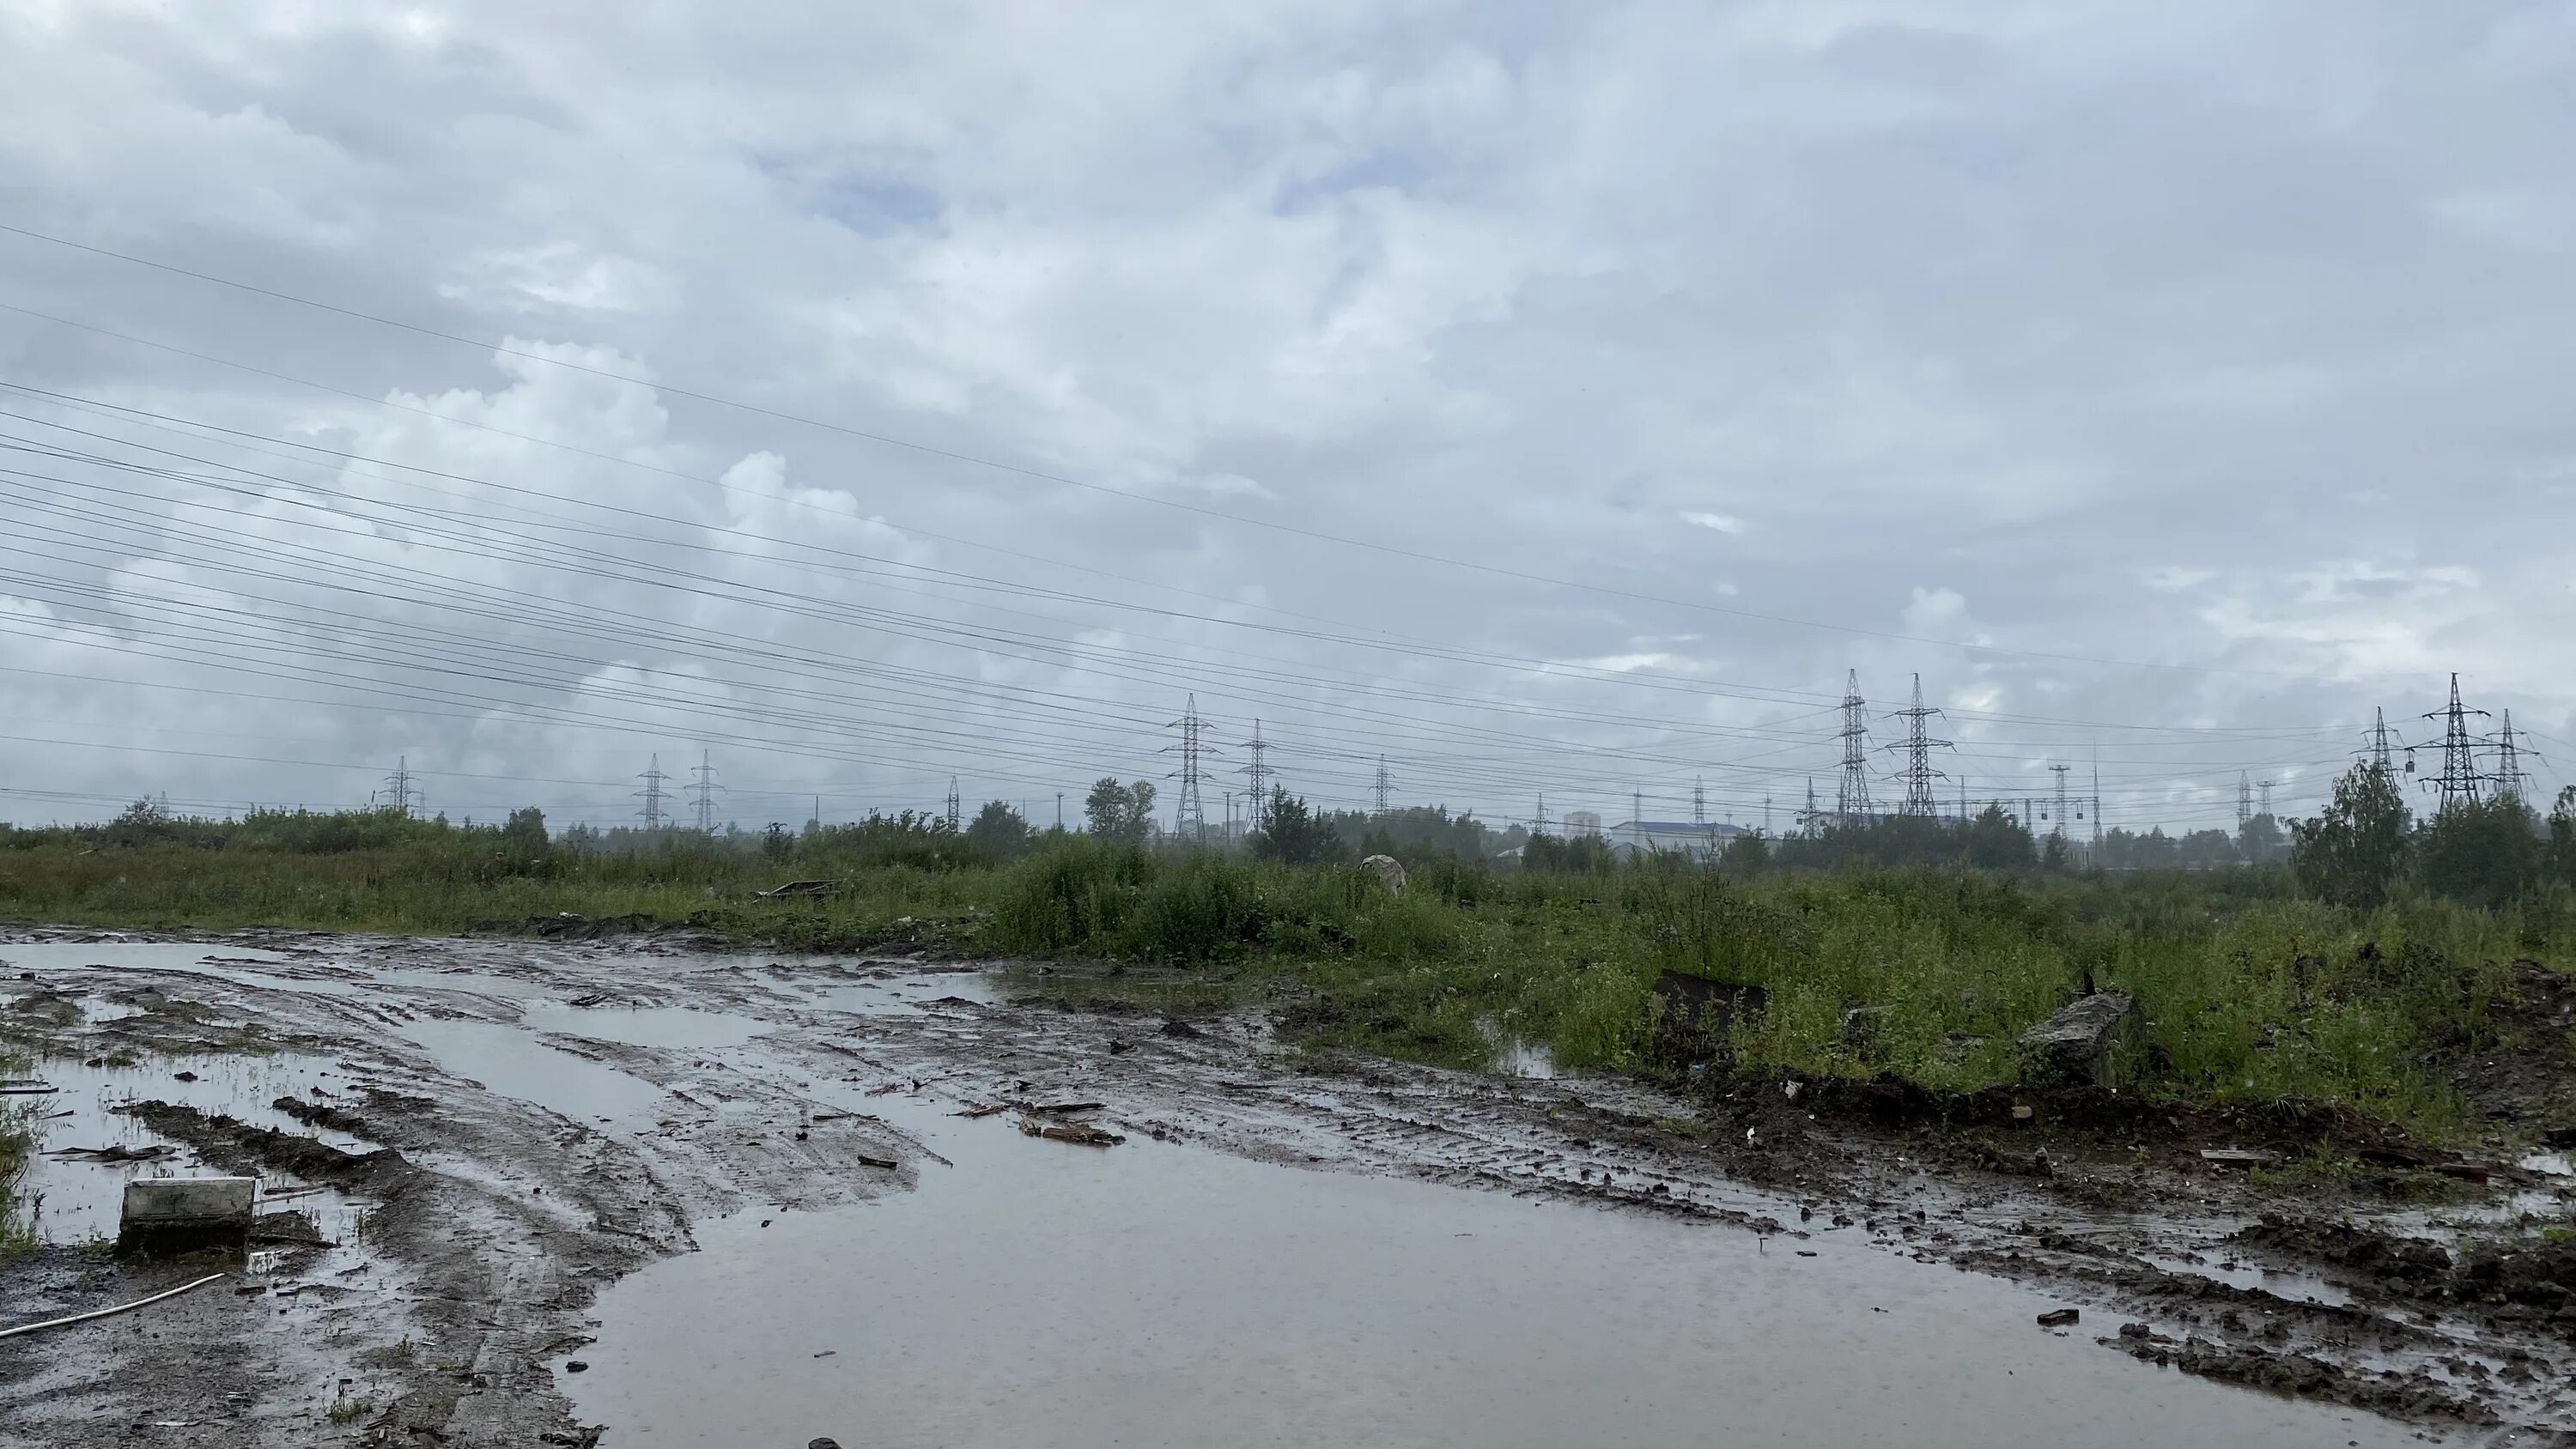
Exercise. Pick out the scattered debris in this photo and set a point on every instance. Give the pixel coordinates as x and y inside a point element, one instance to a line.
<point>596,998</point>
<point>1059,1109</point>
<point>2060,1317</point>
<point>27,1089</point>
<point>116,1152</point>
<point>575,1366</point>
<point>1120,1048</point>
<point>1693,1012</point>
<point>797,890</point>
<point>886,1163</point>
<point>108,1312</point>
<point>183,1076</point>
<point>987,1110</point>
<point>2239,1157</point>
<point>1388,870</point>
<point>1080,1133</point>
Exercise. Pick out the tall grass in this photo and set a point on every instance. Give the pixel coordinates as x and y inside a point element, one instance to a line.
<point>2249,990</point>
<point>17,1144</point>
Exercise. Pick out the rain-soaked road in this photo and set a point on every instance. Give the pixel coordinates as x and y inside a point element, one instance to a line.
<point>760,1200</point>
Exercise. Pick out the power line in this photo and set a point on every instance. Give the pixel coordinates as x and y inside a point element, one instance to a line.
<point>953,455</point>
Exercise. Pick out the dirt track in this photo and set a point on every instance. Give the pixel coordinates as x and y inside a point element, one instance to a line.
<point>630,1092</point>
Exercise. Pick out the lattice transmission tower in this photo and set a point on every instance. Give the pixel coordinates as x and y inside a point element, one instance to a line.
<point>1917,746</point>
<point>2510,777</point>
<point>401,791</point>
<point>651,794</point>
<point>706,789</point>
<point>1189,817</point>
<point>1259,774</point>
<point>1853,803</point>
<point>2460,778</point>
<point>1385,784</point>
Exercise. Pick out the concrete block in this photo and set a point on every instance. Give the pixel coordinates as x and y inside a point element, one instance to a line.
<point>169,1215</point>
<point>2098,1039</point>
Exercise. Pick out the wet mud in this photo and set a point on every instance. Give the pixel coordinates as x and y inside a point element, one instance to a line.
<point>768,1199</point>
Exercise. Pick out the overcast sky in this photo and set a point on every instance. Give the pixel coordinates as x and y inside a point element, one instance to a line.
<point>1552,399</point>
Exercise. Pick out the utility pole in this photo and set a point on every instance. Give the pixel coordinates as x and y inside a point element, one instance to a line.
<point>1963,797</point>
<point>1059,810</point>
<point>1766,814</point>
<point>705,789</point>
<point>398,787</point>
<point>2061,770</point>
<point>2458,783</point>
<point>1853,803</point>
<point>1541,827</point>
<point>651,794</point>
<point>1385,782</point>
<point>1189,816</point>
<point>1807,819</point>
<point>1637,813</point>
<point>2097,804</point>
<point>1917,745</point>
<point>2509,777</point>
<point>1229,817</point>
<point>1259,774</point>
<point>953,803</point>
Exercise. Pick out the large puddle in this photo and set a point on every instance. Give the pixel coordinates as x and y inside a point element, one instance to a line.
<point>1148,1294</point>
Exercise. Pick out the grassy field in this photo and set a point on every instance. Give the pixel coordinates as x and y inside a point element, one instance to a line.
<point>2251,991</point>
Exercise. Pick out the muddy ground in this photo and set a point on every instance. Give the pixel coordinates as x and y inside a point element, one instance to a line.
<point>466,1142</point>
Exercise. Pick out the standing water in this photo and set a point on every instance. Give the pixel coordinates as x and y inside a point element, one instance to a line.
<point>1041,1293</point>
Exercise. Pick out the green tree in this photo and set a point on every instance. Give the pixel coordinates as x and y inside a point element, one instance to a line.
<point>1293,834</point>
<point>1747,855</point>
<point>2562,836</point>
<point>525,831</point>
<point>776,844</point>
<point>998,831</point>
<point>2354,851</point>
<point>1994,841</point>
<point>2481,852</point>
<point>1119,812</point>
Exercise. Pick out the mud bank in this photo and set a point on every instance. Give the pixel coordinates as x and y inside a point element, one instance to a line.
<point>760,1200</point>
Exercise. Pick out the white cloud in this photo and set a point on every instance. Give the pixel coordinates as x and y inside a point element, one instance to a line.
<point>1715,522</point>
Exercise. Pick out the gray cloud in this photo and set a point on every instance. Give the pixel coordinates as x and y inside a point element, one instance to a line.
<point>2221,338</point>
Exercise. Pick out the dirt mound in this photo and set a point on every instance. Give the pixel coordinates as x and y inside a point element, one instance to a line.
<point>2416,1395</point>
<point>2539,1273</point>
<point>229,1142</point>
<point>2409,1267</point>
<point>317,1114</point>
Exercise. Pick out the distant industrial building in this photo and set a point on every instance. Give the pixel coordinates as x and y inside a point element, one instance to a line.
<point>1632,838</point>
